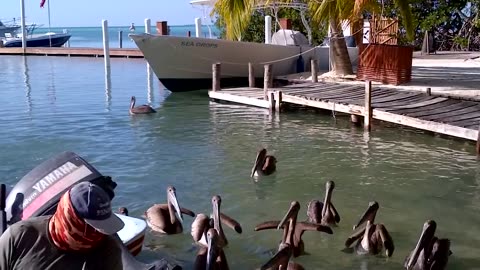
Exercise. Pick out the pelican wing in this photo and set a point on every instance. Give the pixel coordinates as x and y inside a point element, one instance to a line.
<point>280,258</point>
<point>440,253</point>
<point>187,212</point>
<point>335,213</point>
<point>308,226</point>
<point>356,235</point>
<point>273,224</point>
<point>200,226</point>
<point>386,239</point>
<point>230,222</point>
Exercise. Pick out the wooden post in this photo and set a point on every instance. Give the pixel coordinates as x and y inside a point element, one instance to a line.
<point>478,141</point>
<point>368,105</point>
<point>189,34</point>
<point>429,91</point>
<point>251,75</point>
<point>355,119</point>
<point>278,100</point>
<point>106,46</point>
<point>120,38</point>
<point>271,100</point>
<point>267,79</point>
<point>216,77</point>
<point>313,67</point>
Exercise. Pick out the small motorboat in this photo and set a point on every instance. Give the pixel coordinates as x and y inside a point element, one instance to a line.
<point>39,192</point>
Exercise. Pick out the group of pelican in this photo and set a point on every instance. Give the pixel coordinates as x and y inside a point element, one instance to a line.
<point>368,237</point>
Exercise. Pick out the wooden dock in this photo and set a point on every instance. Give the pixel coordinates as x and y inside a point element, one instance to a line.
<point>453,117</point>
<point>70,51</point>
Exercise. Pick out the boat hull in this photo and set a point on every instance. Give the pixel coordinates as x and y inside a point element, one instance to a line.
<point>57,40</point>
<point>185,63</point>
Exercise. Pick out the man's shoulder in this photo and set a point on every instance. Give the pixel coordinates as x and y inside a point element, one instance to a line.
<point>33,223</point>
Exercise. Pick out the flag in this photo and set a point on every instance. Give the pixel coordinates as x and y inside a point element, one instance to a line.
<point>42,3</point>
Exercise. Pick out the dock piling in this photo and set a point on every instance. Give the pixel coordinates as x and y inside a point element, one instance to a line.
<point>313,68</point>
<point>278,100</point>
<point>120,39</point>
<point>368,106</point>
<point>271,100</point>
<point>429,91</point>
<point>106,46</point>
<point>216,69</point>
<point>251,75</point>
<point>198,27</point>
<point>147,25</point>
<point>267,80</point>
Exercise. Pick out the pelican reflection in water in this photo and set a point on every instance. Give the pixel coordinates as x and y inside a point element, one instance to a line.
<point>167,218</point>
<point>371,238</point>
<point>430,253</point>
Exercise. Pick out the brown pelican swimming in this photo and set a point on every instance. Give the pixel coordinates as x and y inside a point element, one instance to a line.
<point>430,253</point>
<point>203,223</point>
<point>324,213</point>
<point>264,164</point>
<point>167,218</point>
<point>297,229</point>
<point>142,109</point>
<point>212,256</point>
<point>372,238</point>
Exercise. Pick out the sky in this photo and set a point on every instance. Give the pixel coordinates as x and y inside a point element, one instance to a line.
<point>67,13</point>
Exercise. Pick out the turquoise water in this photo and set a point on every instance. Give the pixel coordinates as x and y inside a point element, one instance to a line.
<point>54,104</point>
<point>92,37</point>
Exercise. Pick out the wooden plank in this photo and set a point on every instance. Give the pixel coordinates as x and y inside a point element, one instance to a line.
<point>406,101</point>
<point>450,108</point>
<point>350,109</point>
<point>454,131</point>
<point>466,122</point>
<point>421,104</point>
<point>474,116</point>
<point>425,108</point>
<point>441,116</point>
<point>331,89</point>
<point>396,96</point>
<point>338,92</point>
<point>238,99</point>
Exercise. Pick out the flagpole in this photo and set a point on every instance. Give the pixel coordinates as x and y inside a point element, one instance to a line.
<point>24,36</point>
<point>49,35</point>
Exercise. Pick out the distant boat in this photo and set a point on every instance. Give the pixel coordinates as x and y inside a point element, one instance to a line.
<point>8,28</point>
<point>49,39</point>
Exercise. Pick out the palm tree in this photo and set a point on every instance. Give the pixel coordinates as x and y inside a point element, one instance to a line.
<point>237,14</point>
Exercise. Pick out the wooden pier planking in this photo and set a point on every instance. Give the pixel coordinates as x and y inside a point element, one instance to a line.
<point>73,51</point>
<point>442,115</point>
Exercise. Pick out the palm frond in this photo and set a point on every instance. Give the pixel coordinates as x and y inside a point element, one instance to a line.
<point>405,11</point>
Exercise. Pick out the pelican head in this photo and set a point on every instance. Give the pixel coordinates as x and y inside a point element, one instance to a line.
<point>212,251</point>
<point>172,199</point>
<point>428,232</point>
<point>123,211</point>
<point>291,213</point>
<point>369,214</point>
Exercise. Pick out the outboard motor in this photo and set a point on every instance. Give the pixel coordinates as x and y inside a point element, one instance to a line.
<point>39,192</point>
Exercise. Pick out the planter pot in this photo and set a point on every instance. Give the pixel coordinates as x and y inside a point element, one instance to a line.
<point>388,64</point>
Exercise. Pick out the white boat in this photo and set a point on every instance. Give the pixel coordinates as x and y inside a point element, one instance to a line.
<point>185,63</point>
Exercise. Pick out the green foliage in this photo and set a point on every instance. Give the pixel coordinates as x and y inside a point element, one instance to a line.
<point>255,31</point>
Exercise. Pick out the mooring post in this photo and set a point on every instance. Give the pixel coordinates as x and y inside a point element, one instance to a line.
<point>278,100</point>
<point>251,75</point>
<point>355,119</point>
<point>120,38</point>
<point>271,100</point>
<point>106,46</point>
<point>429,91</point>
<point>478,141</point>
<point>368,105</point>
<point>313,68</point>
<point>216,77</point>
<point>267,80</point>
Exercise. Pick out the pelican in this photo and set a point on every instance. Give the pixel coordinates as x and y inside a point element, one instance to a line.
<point>372,238</point>
<point>142,109</point>
<point>297,229</point>
<point>430,253</point>
<point>324,213</point>
<point>211,257</point>
<point>167,218</point>
<point>203,223</point>
<point>264,164</point>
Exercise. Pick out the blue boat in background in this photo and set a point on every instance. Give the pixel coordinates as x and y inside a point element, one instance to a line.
<point>49,39</point>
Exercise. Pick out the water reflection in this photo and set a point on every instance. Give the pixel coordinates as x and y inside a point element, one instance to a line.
<point>51,90</point>
<point>28,88</point>
<point>108,88</point>
<point>149,84</point>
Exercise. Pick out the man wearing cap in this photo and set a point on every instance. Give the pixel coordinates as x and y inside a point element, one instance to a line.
<point>78,236</point>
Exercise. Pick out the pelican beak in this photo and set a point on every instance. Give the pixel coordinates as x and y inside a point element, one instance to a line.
<point>259,161</point>
<point>172,197</point>
<point>428,232</point>
<point>329,186</point>
<point>293,210</point>
<point>369,214</point>
<point>212,254</point>
<point>216,200</point>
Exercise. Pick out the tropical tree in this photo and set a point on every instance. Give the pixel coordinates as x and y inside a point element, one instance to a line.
<point>237,14</point>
